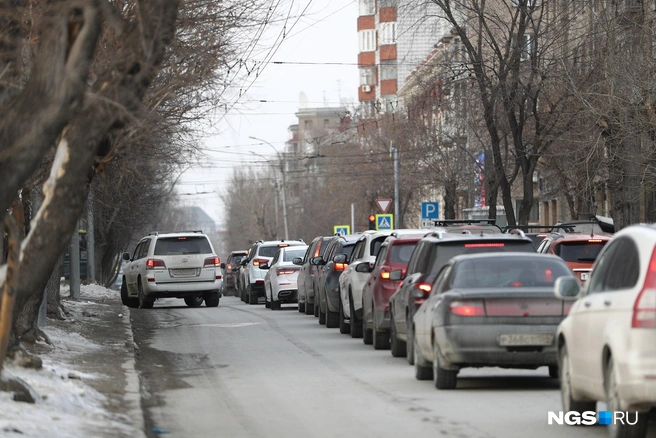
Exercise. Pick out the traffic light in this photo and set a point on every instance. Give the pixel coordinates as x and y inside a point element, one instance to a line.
<point>372,222</point>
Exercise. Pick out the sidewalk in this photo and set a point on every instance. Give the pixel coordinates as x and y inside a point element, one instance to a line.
<point>88,386</point>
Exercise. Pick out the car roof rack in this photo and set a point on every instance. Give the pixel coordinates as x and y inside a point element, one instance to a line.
<point>517,231</point>
<point>157,233</point>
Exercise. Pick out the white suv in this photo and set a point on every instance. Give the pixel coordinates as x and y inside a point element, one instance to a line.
<point>172,265</point>
<point>606,345</point>
<point>253,277</point>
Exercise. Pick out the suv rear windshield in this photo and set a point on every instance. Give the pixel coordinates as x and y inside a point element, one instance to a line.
<point>345,249</point>
<point>401,252</point>
<point>268,251</point>
<point>183,245</point>
<point>441,253</point>
<point>291,254</point>
<point>508,272</point>
<point>579,251</point>
<point>236,258</point>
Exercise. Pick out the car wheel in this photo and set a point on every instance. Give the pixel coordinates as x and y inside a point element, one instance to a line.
<point>332,319</point>
<point>344,327</point>
<point>355,323</point>
<point>267,303</point>
<point>397,346</point>
<point>613,403</point>
<point>410,344</point>
<point>131,302</point>
<point>423,371</point>
<point>442,378</point>
<point>553,371</point>
<point>212,300</point>
<point>275,305</point>
<point>144,302</point>
<point>251,299</point>
<point>193,301</point>
<point>381,337</point>
<point>322,316</point>
<point>301,307</point>
<point>309,308</point>
<point>569,404</point>
<point>367,333</point>
<point>316,309</point>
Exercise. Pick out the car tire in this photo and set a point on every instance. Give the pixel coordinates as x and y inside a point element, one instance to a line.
<point>212,300</point>
<point>410,343</point>
<point>442,378</point>
<point>332,319</point>
<point>367,333</point>
<point>144,301</point>
<point>553,371</point>
<point>355,323</point>
<point>423,371</point>
<point>301,307</point>
<point>569,404</point>
<point>381,338</point>
<point>397,346</point>
<point>267,303</point>
<point>322,316</point>
<point>251,299</point>
<point>344,326</point>
<point>309,308</point>
<point>275,305</point>
<point>316,309</point>
<point>620,429</point>
<point>193,301</point>
<point>131,302</point>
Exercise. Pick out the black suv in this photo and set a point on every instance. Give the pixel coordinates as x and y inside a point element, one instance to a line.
<point>430,254</point>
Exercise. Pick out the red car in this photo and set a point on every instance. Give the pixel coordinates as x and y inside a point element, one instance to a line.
<point>394,255</point>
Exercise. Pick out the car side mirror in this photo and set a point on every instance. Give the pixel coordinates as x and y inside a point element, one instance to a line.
<point>298,261</point>
<point>363,267</point>
<point>396,275</point>
<point>340,258</point>
<point>244,262</point>
<point>567,288</point>
<point>264,266</point>
<point>222,265</point>
<point>126,256</point>
<point>317,261</point>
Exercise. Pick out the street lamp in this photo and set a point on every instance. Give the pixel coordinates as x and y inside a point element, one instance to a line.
<point>282,171</point>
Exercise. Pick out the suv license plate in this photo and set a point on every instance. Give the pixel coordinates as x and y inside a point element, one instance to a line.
<point>513,340</point>
<point>184,272</point>
<point>584,276</point>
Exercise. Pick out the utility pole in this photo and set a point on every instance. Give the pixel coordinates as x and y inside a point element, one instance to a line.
<point>395,157</point>
<point>74,263</point>
<point>91,242</point>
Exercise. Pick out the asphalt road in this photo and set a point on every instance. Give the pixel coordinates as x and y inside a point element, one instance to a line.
<point>242,370</point>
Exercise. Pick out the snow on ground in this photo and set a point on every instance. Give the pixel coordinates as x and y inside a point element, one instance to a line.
<point>66,406</point>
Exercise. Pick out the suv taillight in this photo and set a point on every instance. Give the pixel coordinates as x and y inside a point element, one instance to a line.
<point>341,266</point>
<point>258,262</point>
<point>155,264</point>
<point>384,273</point>
<point>644,309</point>
<point>212,262</point>
<point>468,308</point>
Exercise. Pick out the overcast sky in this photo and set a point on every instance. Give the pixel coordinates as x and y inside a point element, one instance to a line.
<point>324,38</point>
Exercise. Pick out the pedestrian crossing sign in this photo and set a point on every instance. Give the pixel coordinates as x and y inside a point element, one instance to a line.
<point>342,229</point>
<point>384,222</point>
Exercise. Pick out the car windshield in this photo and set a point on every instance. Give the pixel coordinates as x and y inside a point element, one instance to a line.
<point>440,254</point>
<point>401,253</point>
<point>579,251</point>
<point>291,254</point>
<point>496,272</point>
<point>183,245</point>
<point>268,251</point>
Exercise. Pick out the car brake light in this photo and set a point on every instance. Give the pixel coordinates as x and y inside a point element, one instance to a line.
<point>385,275</point>
<point>258,262</point>
<point>421,290</point>
<point>229,267</point>
<point>484,245</point>
<point>212,262</point>
<point>343,266</point>
<point>595,240</point>
<point>467,308</point>
<point>155,264</point>
<point>644,309</point>
<point>285,271</point>
<point>425,287</point>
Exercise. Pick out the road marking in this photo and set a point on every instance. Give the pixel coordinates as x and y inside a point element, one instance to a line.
<point>230,325</point>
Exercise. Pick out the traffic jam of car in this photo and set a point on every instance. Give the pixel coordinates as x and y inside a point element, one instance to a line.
<point>575,299</point>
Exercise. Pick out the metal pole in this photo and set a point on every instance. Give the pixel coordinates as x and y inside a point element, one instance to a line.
<point>352,218</point>
<point>91,243</point>
<point>395,154</point>
<point>74,263</point>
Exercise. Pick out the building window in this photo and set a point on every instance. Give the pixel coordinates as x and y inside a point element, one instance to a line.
<point>367,40</point>
<point>308,125</point>
<point>527,47</point>
<point>368,76</point>
<point>387,3</point>
<point>367,7</point>
<point>388,70</point>
<point>387,33</point>
<point>326,123</point>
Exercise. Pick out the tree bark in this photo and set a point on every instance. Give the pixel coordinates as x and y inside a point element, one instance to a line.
<point>52,288</point>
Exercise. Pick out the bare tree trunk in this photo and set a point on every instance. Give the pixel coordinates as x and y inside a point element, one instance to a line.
<point>624,182</point>
<point>450,197</point>
<point>9,288</point>
<point>52,288</point>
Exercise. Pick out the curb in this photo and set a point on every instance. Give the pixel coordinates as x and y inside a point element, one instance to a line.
<point>133,388</point>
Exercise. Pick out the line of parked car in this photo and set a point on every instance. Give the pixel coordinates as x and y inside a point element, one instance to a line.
<point>574,298</point>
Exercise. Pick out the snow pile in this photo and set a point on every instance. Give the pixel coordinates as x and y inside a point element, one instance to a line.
<point>66,406</point>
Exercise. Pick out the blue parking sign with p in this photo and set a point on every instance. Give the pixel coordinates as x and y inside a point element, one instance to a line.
<point>430,210</point>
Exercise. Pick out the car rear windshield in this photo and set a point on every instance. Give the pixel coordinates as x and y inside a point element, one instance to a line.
<point>579,251</point>
<point>508,272</point>
<point>346,249</point>
<point>401,252</point>
<point>441,253</point>
<point>236,258</point>
<point>291,254</point>
<point>183,245</point>
<point>268,251</point>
